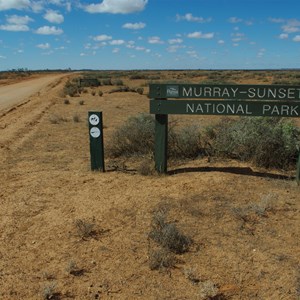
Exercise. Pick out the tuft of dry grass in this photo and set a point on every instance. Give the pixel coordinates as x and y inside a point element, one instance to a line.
<point>85,229</point>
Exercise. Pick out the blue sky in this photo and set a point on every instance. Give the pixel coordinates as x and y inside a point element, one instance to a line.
<point>149,34</point>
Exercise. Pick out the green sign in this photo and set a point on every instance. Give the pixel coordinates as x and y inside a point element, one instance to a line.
<point>219,91</point>
<point>226,107</point>
<point>218,99</point>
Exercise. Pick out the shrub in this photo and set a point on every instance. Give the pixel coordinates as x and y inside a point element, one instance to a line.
<point>146,167</point>
<point>81,102</point>
<point>268,142</point>
<point>66,101</point>
<point>185,143</point>
<point>137,76</point>
<point>135,137</point>
<point>140,90</point>
<point>167,234</point>
<point>76,118</point>
<point>56,119</point>
<point>161,258</point>
<point>106,81</point>
<point>84,228</point>
<point>118,82</point>
<point>71,89</point>
<point>100,93</point>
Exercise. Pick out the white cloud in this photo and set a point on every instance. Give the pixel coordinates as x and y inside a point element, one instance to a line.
<point>47,30</point>
<point>234,20</point>
<point>14,4</point>
<point>117,42</point>
<point>63,3</point>
<point>138,48</point>
<point>174,48</point>
<point>290,28</point>
<point>54,17</point>
<point>134,26</point>
<point>276,20</point>
<point>16,23</point>
<point>283,36</point>
<point>192,54</point>
<point>296,38</point>
<point>14,27</point>
<point>221,42</point>
<point>190,18</point>
<point>200,35</point>
<point>237,37</point>
<point>175,41</point>
<point>116,50</point>
<point>117,6</point>
<point>2,57</point>
<point>102,38</point>
<point>18,20</point>
<point>43,46</point>
<point>261,53</point>
<point>155,40</point>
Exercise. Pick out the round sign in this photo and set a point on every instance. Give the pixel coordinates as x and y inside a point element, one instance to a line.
<point>95,132</point>
<point>94,119</point>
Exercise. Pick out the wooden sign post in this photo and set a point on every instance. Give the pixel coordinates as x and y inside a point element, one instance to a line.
<point>230,100</point>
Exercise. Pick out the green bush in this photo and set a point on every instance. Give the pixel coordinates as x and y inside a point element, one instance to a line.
<point>185,142</point>
<point>135,137</point>
<point>268,142</point>
<point>71,89</point>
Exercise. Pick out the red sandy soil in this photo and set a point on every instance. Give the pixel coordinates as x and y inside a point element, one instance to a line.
<point>244,222</point>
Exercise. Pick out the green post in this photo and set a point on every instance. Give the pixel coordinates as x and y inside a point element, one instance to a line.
<point>161,143</point>
<point>298,170</point>
<point>96,141</point>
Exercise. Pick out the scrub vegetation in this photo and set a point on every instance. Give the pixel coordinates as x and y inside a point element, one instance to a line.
<point>268,142</point>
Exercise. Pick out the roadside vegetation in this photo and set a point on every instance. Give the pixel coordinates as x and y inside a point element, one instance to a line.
<point>266,142</point>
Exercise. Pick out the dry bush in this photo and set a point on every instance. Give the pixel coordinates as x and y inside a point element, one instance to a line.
<point>168,235</point>
<point>71,89</point>
<point>84,228</point>
<point>146,167</point>
<point>136,137</point>
<point>185,142</point>
<point>76,118</point>
<point>161,258</point>
<point>49,292</point>
<point>56,119</point>
<point>268,142</point>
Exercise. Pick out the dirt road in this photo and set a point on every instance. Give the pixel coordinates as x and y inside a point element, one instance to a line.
<point>13,94</point>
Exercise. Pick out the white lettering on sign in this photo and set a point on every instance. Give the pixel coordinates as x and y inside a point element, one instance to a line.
<point>217,92</point>
<point>220,108</point>
<point>242,109</point>
<point>280,110</point>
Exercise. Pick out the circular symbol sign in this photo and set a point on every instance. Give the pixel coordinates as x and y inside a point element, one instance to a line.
<point>95,132</point>
<point>94,119</point>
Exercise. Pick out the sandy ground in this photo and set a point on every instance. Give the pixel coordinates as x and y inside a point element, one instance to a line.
<point>244,221</point>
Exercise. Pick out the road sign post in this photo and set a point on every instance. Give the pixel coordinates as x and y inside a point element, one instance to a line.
<point>96,141</point>
<point>298,170</point>
<point>218,99</point>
